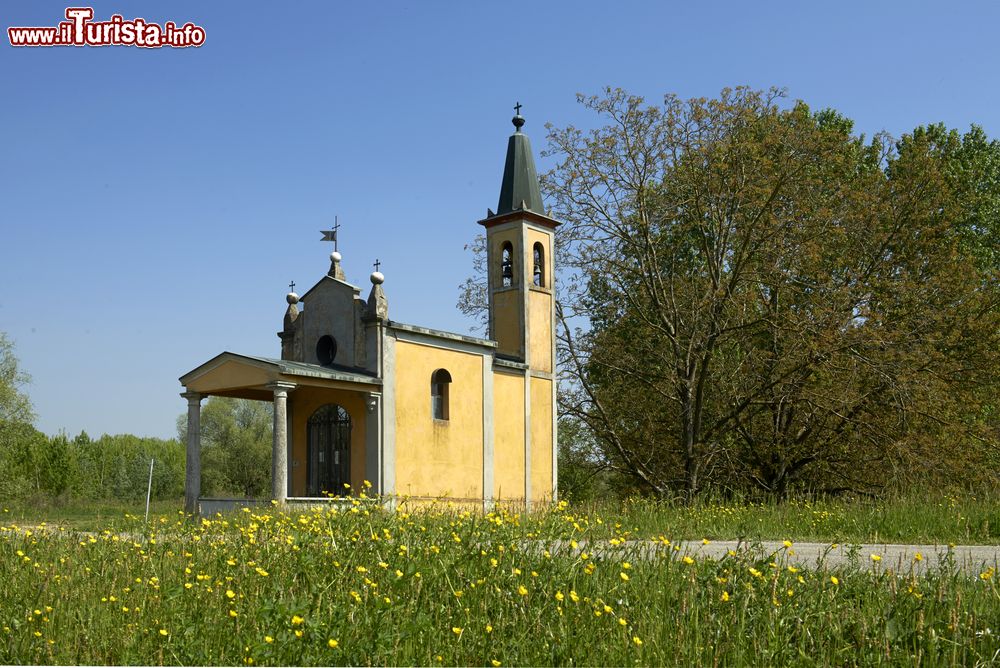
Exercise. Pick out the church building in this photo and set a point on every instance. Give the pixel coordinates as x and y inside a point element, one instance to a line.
<point>415,412</point>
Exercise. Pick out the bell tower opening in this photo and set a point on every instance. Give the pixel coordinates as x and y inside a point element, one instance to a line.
<point>538,262</point>
<point>507,265</point>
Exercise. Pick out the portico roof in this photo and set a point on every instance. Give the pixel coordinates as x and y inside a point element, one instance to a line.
<point>248,377</point>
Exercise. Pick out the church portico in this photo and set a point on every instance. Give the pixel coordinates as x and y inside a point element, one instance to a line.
<point>324,437</point>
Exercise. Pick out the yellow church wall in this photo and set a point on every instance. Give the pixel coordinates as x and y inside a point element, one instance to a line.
<point>541,440</point>
<point>507,322</point>
<point>508,437</point>
<point>440,458</point>
<point>540,310</point>
<point>540,303</point>
<point>507,306</point>
<point>303,403</point>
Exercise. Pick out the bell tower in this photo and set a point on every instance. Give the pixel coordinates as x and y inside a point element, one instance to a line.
<point>520,238</point>
<point>519,243</point>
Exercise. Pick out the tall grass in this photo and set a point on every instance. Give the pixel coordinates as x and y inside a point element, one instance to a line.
<point>921,518</point>
<point>359,586</point>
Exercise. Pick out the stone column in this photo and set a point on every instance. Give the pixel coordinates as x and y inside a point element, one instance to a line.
<point>192,479</point>
<point>373,442</point>
<point>279,442</point>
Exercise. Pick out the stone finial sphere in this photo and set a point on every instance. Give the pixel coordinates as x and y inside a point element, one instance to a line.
<point>292,298</point>
<point>335,256</point>
<point>377,278</point>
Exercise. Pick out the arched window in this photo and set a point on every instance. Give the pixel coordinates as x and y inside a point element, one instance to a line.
<point>539,269</point>
<point>507,265</point>
<point>440,380</point>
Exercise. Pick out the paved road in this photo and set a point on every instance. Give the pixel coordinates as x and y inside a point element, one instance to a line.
<point>898,558</point>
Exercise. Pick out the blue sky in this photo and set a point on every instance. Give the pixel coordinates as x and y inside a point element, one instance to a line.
<point>155,204</point>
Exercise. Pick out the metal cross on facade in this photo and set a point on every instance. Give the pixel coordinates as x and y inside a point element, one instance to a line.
<point>377,264</point>
<point>517,108</point>
<point>331,235</point>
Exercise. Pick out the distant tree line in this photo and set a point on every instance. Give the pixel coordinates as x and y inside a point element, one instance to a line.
<point>35,466</point>
<point>116,467</point>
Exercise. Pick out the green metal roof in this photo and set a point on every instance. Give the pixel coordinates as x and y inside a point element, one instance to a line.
<point>440,334</point>
<point>283,367</point>
<point>520,180</point>
<point>290,368</point>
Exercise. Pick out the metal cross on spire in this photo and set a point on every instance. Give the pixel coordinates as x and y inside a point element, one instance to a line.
<point>331,235</point>
<point>517,108</point>
<point>377,264</point>
<point>291,286</point>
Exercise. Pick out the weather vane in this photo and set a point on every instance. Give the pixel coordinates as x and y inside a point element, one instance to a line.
<point>331,235</point>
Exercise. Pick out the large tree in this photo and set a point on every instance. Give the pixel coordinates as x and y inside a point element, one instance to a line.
<point>764,299</point>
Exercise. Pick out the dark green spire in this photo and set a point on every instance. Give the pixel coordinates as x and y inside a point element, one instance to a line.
<point>520,180</point>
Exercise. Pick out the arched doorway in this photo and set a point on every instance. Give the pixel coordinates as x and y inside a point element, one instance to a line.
<point>329,461</point>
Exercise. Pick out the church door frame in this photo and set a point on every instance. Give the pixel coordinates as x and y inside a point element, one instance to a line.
<point>328,457</point>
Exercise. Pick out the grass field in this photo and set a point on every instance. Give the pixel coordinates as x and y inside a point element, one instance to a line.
<point>359,586</point>
<point>917,519</point>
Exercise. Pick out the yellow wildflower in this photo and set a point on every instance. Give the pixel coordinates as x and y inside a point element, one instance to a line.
<point>296,620</point>
<point>332,643</point>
